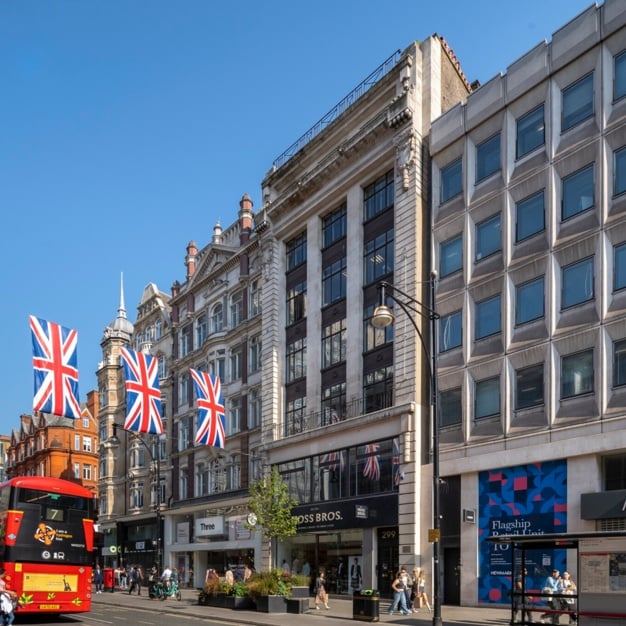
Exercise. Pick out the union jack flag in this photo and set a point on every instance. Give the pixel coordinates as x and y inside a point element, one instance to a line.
<point>371,469</point>
<point>211,429</point>
<point>335,460</point>
<point>395,461</point>
<point>55,362</point>
<point>143,396</point>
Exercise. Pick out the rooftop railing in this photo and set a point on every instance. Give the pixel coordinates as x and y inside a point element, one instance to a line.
<point>338,109</point>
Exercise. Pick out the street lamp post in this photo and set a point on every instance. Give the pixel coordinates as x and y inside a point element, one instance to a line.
<point>113,444</point>
<point>383,316</point>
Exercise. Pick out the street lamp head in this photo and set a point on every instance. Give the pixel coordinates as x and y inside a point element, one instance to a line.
<point>382,317</point>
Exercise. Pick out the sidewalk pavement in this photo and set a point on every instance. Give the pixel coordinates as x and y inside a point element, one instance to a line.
<point>340,612</point>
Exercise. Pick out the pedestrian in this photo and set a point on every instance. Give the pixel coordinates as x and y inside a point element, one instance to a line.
<point>135,581</point>
<point>190,579</point>
<point>98,578</point>
<point>399,597</point>
<point>321,595</point>
<point>7,600</point>
<point>568,601</point>
<point>285,568</point>
<point>520,599</point>
<point>166,577</point>
<point>408,584</point>
<point>551,587</point>
<point>421,588</point>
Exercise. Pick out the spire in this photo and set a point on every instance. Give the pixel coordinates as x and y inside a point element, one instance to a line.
<point>121,311</point>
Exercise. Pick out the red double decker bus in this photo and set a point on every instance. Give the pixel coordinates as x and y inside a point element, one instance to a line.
<point>46,543</point>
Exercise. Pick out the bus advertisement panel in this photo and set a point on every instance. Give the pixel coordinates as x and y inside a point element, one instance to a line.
<point>46,543</point>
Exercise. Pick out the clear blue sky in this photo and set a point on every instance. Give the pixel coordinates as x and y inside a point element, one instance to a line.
<point>130,127</point>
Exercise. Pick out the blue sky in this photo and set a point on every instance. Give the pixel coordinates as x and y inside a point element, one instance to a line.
<point>130,127</point>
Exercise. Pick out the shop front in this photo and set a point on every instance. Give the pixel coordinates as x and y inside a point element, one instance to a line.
<point>354,541</point>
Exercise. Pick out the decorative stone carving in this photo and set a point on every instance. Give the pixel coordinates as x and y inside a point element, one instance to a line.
<point>405,157</point>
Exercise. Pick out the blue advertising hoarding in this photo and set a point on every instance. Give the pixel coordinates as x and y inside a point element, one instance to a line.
<point>523,500</point>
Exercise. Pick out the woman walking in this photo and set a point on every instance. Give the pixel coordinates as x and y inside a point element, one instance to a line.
<point>399,597</point>
<point>421,588</point>
<point>321,596</point>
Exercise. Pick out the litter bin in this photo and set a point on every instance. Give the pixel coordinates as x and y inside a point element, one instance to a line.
<point>108,579</point>
<point>366,605</point>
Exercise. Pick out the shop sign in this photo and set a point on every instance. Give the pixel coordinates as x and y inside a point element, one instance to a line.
<point>210,526</point>
<point>366,512</point>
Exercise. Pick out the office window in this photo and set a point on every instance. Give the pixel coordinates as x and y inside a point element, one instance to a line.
<point>487,398</point>
<point>295,416</point>
<point>233,416</point>
<point>451,180</point>
<point>619,363</point>
<point>334,343</point>
<point>236,309</point>
<point>529,301</point>
<point>577,283</point>
<point>488,237</point>
<point>488,158</point>
<point>334,278</point>
<point>378,196</point>
<point>296,251</point>
<point>236,363</point>
<point>530,213</point>
<point>577,374</point>
<point>374,337</point>
<point>451,256</point>
<point>450,331</point>
<point>254,354</point>
<point>619,77</point>
<point>577,102</point>
<point>619,172</point>
<point>254,291</point>
<point>201,329</point>
<point>578,195</point>
<point>378,257</point>
<point>296,360</point>
<point>217,318</point>
<point>487,317</point>
<point>254,407</point>
<point>183,387</point>
<point>619,267</point>
<point>186,340</point>
<point>378,389</point>
<point>334,226</point>
<point>530,132</point>
<point>450,407</point>
<point>529,387</point>
<point>296,303</point>
<point>333,404</point>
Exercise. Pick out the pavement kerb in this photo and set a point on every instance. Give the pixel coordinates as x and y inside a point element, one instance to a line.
<point>341,611</point>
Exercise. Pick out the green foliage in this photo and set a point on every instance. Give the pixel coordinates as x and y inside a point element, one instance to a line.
<point>300,580</point>
<point>271,503</point>
<point>271,583</point>
<point>239,589</point>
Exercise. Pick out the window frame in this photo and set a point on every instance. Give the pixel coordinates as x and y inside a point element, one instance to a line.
<point>484,303</point>
<point>566,359</point>
<point>446,245</point>
<point>569,302</point>
<point>525,208</point>
<point>450,399</point>
<point>485,153</point>
<point>539,371</point>
<point>619,172</point>
<point>584,112</point>
<point>451,318</point>
<point>519,298</point>
<point>451,183</point>
<point>483,237</point>
<point>619,83</point>
<point>485,386</point>
<point>579,186</point>
<point>530,131</point>
<point>619,380</point>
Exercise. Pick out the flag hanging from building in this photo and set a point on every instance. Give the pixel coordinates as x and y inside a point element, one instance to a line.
<point>211,428</point>
<point>143,396</point>
<point>395,461</point>
<point>55,361</point>
<point>371,469</point>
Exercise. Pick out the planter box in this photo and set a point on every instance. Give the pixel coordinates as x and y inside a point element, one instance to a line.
<point>239,603</point>
<point>218,601</point>
<point>300,592</point>
<point>271,604</point>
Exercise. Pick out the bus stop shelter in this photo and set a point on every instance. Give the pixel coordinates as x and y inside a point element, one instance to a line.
<point>600,596</point>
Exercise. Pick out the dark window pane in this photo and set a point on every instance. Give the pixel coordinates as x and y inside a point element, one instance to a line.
<point>530,216</point>
<point>619,363</point>
<point>488,158</point>
<point>450,409</point>
<point>487,400</point>
<point>619,270</point>
<point>577,283</point>
<point>619,174</point>
<point>450,331</point>
<point>451,256</point>
<point>577,102</point>
<point>488,238</point>
<point>488,317</point>
<point>451,180</point>
<point>529,300</point>
<point>577,193</point>
<point>530,132</point>
<point>529,387</point>
<point>619,81</point>
<point>577,374</point>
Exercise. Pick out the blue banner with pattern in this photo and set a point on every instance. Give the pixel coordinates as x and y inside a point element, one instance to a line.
<point>523,500</point>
